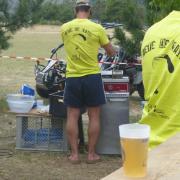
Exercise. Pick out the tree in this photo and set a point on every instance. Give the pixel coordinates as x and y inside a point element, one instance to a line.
<point>99,9</point>
<point>131,14</point>
<point>114,10</point>
<point>158,9</point>
<point>14,17</point>
<point>58,13</point>
<point>36,5</point>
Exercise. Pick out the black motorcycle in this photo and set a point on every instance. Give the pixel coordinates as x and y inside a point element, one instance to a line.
<point>50,78</point>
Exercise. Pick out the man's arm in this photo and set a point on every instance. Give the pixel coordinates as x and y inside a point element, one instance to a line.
<point>109,49</point>
<point>105,43</point>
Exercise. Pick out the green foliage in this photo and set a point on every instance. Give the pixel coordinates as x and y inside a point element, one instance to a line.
<point>13,18</point>
<point>121,36</point>
<point>132,44</point>
<point>114,10</point>
<point>52,13</point>
<point>36,6</point>
<point>99,10</point>
<point>131,14</point>
<point>158,9</point>
<point>3,105</point>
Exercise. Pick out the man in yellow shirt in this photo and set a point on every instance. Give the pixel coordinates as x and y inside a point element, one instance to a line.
<point>161,68</point>
<point>82,39</point>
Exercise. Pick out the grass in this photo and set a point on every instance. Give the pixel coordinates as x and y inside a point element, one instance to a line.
<point>36,42</point>
<point>33,43</point>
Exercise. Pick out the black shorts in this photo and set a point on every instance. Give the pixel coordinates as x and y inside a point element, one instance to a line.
<point>84,91</point>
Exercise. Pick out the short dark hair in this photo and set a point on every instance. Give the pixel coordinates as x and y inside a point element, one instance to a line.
<point>82,8</point>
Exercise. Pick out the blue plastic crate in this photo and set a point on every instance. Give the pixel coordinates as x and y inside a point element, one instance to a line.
<point>43,135</point>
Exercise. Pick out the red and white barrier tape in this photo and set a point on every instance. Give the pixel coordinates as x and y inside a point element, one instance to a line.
<point>47,59</point>
<point>26,57</point>
<point>136,64</point>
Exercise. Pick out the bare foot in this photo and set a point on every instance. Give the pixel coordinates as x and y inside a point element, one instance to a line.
<point>74,159</point>
<point>93,157</point>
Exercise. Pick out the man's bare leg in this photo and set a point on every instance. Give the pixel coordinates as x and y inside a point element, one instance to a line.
<point>93,132</point>
<point>72,131</point>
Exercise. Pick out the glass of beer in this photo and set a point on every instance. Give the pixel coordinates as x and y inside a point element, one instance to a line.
<point>134,147</point>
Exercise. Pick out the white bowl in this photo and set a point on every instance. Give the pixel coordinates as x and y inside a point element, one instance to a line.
<point>19,97</point>
<point>20,106</point>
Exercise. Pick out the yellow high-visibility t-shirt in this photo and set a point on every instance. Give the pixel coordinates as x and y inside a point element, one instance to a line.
<point>161,78</point>
<point>82,39</point>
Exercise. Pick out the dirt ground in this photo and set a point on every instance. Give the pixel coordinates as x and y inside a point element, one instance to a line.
<point>53,166</point>
<point>20,165</point>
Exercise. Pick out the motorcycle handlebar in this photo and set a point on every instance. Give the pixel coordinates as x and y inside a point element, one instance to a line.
<point>55,50</point>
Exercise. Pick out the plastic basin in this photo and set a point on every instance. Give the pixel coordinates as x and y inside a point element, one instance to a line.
<point>19,97</point>
<point>20,106</point>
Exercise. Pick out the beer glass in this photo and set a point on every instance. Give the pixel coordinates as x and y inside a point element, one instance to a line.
<point>134,147</point>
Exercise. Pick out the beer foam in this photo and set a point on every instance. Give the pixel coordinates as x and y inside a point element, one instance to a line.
<point>135,130</point>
